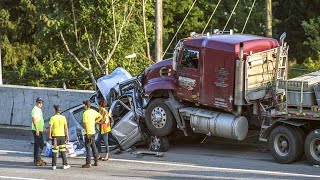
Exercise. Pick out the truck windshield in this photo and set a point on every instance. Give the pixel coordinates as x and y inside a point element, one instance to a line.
<point>176,54</point>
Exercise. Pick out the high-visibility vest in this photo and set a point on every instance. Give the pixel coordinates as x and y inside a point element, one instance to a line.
<point>105,123</point>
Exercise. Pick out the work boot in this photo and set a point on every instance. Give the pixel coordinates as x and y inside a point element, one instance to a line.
<point>43,162</point>
<point>95,163</point>
<point>39,163</point>
<point>86,166</point>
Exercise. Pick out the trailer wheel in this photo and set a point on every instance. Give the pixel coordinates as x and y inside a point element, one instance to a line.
<point>284,145</point>
<point>312,147</point>
<point>159,143</point>
<point>302,136</point>
<point>159,118</point>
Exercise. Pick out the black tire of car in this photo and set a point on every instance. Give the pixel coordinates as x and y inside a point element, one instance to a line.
<point>288,136</point>
<point>311,153</point>
<point>170,122</point>
<point>159,143</point>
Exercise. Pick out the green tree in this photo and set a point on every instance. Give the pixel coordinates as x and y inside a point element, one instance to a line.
<point>312,43</point>
<point>98,35</point>
<point>175,12</point>
<point>17,24</point>
<point>289,16</point>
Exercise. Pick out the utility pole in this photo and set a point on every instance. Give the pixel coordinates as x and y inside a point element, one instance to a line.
<point>269,18</point>
<point>158,27</point>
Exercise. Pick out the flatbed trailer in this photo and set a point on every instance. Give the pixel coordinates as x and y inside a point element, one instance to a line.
<point>292,127</point>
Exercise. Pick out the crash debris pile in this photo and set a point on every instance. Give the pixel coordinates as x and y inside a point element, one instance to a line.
<point>73,149</point>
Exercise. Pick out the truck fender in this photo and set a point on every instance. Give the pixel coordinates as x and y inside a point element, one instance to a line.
<point>264,135</point>
<point>159,83</point>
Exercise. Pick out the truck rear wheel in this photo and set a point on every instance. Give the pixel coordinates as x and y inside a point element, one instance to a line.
<point>159,118</point>
<point>312,147</point>
<point>302,136</point>
<point>284,144</point>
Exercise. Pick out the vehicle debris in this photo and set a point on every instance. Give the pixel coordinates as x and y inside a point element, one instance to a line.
<point>123,93</point>
<point>140,154</point>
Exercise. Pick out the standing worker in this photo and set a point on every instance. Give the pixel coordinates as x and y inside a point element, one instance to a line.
<point>37,130</point>
<point>105,128</point>
<point>58,133</point>
<point>90,118</point>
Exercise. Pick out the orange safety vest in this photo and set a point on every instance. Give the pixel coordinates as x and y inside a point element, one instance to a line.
<point>105,127</point>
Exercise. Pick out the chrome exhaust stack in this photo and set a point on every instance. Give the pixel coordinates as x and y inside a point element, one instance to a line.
<point>239,82</point>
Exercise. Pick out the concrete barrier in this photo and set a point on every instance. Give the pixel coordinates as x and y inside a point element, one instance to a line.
<point>16,102</point>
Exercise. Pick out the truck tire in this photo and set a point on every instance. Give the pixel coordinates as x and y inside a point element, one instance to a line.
<point>312,147</point>
<point>159,118</point>
<point>302,136</point>
<point>159,143</point>
<point>284,144</point>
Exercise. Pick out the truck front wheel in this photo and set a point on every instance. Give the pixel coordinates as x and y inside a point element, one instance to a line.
<point>159,118</point>
<point>284,144</point>
<point>312,147</point>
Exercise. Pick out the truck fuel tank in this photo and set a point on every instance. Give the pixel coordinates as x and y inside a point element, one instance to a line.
<point>216,123</point>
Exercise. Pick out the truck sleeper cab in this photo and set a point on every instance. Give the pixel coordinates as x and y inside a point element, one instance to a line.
<point>211,79</point>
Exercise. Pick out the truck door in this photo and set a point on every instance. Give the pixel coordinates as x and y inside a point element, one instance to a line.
<point>188,75</point>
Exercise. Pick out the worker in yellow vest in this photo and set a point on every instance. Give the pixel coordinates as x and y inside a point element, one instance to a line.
<point>58,133</point>
<point>104,128</point>
<point>90,118</point>
<point>38,127</point>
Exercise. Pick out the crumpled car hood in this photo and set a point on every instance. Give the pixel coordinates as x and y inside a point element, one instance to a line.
<point>107,82</point>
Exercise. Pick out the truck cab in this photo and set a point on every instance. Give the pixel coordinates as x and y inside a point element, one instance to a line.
<point>214,84</point>
<point>206,67</point>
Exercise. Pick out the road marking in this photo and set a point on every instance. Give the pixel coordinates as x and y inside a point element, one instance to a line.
<point>17,152</point>
<point>232,170</point>
<point>10,177</point>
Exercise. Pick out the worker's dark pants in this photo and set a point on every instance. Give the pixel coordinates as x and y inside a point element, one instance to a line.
<point>60,143</point>
<point>103,137</point>
<point>38,146</point>
<point>90,147</point>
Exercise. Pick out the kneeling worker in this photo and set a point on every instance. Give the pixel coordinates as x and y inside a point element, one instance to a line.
<point>58,133</point>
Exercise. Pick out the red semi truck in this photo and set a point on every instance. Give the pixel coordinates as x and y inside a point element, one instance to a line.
<point>225,84</point>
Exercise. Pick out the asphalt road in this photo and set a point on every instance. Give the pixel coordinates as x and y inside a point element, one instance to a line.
<point>214,159</point>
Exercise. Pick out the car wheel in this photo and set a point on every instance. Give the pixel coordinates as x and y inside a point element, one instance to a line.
<point>284,144</point>
<point>159,143</point>
<point>159,118</point>
<point>312,147</point>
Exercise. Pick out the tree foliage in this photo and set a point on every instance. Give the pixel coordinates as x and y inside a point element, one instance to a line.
<point>101,33</point>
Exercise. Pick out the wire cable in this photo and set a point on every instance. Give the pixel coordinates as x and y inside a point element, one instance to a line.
<point>245,24</point>
<point>231,15</point>
<point>211,17</point>
<point>179,28</point>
